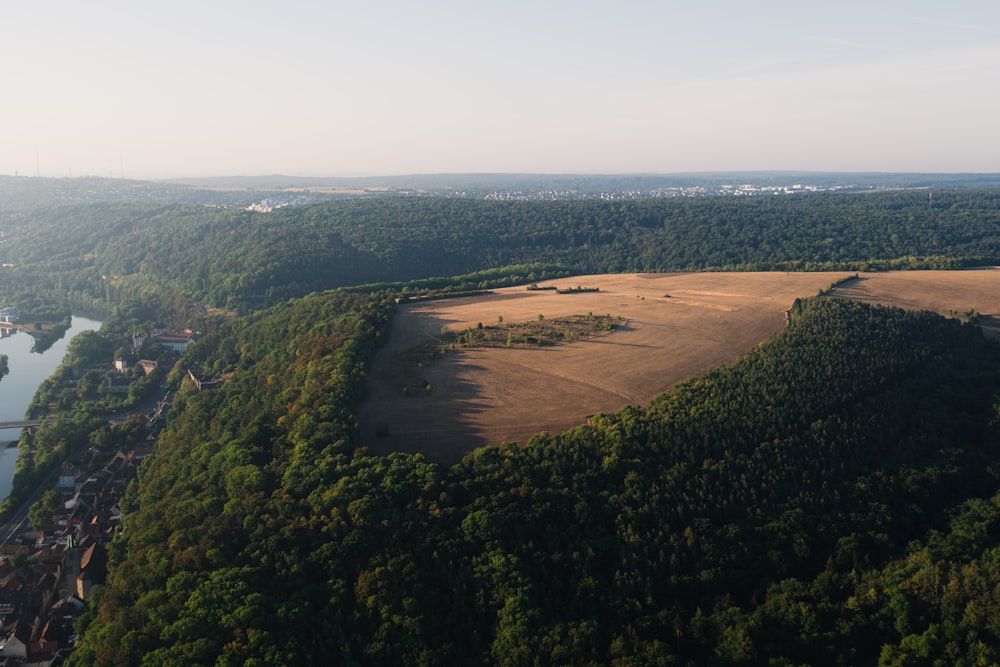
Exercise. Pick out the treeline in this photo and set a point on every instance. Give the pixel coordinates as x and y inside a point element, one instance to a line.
<point>18,193</point>
<point>830,498</point>
<point>244,260</point>
<point>45,317</point>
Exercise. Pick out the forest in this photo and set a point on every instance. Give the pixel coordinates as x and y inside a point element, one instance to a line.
<point>94,254</point>
<point>831,497</point>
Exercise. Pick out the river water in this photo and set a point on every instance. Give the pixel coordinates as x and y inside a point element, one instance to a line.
<point>27,370</point>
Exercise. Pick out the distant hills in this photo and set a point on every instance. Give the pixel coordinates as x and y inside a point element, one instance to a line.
<point>21,192</point>
<point>601,182</point>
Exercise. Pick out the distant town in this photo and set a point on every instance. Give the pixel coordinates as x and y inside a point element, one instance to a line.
<point>264,194</point>
<point>742,190</point>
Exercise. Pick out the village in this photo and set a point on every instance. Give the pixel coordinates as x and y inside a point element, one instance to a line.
<point>54,550</point>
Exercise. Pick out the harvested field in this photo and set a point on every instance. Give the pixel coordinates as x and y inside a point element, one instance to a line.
<point>949,293</point>
<point>672,327</point>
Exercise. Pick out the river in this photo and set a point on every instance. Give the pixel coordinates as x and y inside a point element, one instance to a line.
<point>27,370</point>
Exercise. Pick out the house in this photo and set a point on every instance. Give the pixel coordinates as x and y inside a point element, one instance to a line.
<point>202,381</point>
<point>8,315</point>
<point>16,640</point>
<point>42,593</point>
<point>67,477</point>
<point>59,625</point>
<point>44,650</point>
<point>11,548</point>
<point>6,571</point>
<point>173,339</point>
<point>118,385</point>
<point>148,365</point>
<point>13,597</point>
<point>141,451</point>
<point>164,361</point>
<point>93,569</point>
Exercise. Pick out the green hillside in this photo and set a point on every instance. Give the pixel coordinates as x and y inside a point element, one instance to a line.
<point>242,260</point>
<point>830,498</point>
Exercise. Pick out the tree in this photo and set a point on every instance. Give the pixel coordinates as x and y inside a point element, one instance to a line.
<point>40,513</point>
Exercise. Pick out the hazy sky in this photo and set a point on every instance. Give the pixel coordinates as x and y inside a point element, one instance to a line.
<point>327,87</point>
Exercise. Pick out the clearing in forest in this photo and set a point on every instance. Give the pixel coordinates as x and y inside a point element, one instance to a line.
<point>972,292</point>
<point>438,390</point>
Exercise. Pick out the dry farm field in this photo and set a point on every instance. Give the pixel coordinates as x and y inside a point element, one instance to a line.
<point>668,327</point>
<point>950,293</point>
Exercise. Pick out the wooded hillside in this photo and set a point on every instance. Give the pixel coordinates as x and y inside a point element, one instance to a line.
<point>828,499</point>
<point>242,260</point>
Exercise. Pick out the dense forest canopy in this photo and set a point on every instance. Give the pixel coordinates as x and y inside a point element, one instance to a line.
<point>828,499</point>
<point>241,260</point>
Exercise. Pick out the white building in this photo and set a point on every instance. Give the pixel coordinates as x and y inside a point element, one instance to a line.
<point>176,341</point>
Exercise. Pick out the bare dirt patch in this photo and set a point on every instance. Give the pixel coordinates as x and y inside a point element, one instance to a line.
<point>669,327</point>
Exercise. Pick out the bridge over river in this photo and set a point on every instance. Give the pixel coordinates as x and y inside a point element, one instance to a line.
<point>30,422</point>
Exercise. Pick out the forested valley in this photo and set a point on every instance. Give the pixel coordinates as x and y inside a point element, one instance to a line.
<point>244,260</point>
<point>832,497</point>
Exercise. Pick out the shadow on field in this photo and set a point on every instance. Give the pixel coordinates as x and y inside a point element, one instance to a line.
<point>438,421</point>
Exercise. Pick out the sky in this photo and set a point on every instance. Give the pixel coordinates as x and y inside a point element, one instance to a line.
<point>329,88</point>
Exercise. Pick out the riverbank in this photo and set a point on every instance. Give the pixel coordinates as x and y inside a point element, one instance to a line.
<point>44,334</point>
<point>27,370</point>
